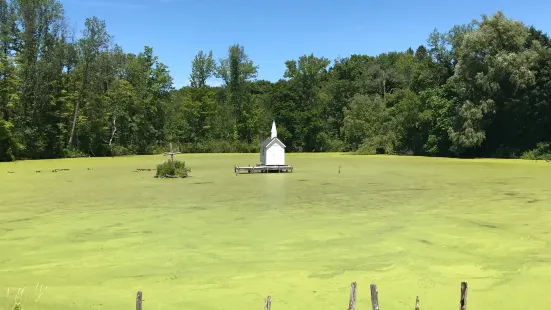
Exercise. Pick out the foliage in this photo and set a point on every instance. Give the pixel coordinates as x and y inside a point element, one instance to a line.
<point>174,169</point>
<point>305,78</point>
<point>481,89</point>
<point>368,125</point>
<point>236,71</point>
<point>74,153</point>
<point>203,67</point>
<point>219,146</point>
<point>541,152</point>
<point>118,150</point>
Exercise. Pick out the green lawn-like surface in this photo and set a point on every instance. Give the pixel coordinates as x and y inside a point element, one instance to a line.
<point>414,226</point>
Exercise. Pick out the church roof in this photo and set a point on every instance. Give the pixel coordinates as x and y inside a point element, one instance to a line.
<point>269,142</point>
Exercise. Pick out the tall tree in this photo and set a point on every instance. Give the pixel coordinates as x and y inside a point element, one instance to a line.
<point>237,70</point>
<point>306,77</point>
<point>203,67</point>
<point>368,125</point>
<point>95,41</point>
<point>8,80</point>
<point>40,72</point>
<point>342,85</point>
<point>494,66</point>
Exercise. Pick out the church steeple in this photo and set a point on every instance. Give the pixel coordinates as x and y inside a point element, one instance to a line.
<point>274,130</point>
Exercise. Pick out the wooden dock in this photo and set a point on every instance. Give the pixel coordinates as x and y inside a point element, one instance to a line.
<point>263,169</point>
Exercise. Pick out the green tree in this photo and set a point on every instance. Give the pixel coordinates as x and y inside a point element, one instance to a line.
<point>196,109</point>
<point>202,68</point>
<point>40,71</point>
<point>494,65</point>
<point>306,77</point>
<point>342,84</point>
<point>8,81</point>
<point>94,43</point>
<point>237,70</point>
<point>283,104</point>
<point>368,125</point>
<point>120,101</point>
<point>152,83</point>
<point>436,118</point>
<point>405,112</point>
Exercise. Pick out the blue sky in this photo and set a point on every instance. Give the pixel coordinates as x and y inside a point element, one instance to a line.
<point>279,30</point>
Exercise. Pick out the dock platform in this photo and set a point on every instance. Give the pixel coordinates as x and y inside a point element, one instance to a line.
<point>263,169</point>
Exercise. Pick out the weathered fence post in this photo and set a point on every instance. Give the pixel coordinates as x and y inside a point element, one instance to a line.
<point>417,303</point>
<point>352,303</point>
<point>268,303</point>
<point>463,300</point>
<point>374,297</point>
<point>139,301</point>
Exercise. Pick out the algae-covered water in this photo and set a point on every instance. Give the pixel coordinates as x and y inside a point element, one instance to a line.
<point>90,237</point>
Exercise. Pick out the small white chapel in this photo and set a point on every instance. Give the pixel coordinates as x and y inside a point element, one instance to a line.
<point>272,150</point>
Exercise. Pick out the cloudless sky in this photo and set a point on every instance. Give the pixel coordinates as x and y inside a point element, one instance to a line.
<point>273,31</point>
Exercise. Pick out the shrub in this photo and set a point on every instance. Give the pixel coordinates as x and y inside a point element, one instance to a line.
<point>541,152</point>
<point>74,153</point>
<point>172,169</point>
<point>377,145</point>
<point>336,145</point>
<point>118,150</point>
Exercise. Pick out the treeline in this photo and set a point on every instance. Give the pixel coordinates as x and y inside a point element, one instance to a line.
<point>481,89</point>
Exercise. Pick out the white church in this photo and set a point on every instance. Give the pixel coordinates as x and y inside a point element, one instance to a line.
<point>272,150</point>
<point>272,156</point>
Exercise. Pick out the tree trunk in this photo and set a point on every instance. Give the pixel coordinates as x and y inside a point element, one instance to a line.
<point>113,132</point>
<point>74,125</point>
<point>84,86</point>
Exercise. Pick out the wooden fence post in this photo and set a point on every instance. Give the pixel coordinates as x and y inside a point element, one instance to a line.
<point>417,303</point>
<point>352,303</point>
<point>139,301</point>
<point>268,303</point>
<point>463,300</point>
<point>374,297</point>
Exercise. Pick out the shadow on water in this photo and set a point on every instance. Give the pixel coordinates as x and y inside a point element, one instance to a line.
<point>484,225</point>
<point>201,183</point>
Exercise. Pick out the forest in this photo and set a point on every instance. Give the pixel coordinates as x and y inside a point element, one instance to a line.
<point>481,89</point>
